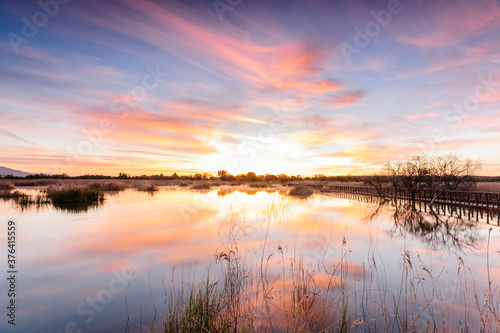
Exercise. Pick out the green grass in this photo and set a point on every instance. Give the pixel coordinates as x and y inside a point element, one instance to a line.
<point>73,194</point>
<point>215,305</point>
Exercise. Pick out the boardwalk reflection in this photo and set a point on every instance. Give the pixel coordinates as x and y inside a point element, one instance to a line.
<point>452,228</point>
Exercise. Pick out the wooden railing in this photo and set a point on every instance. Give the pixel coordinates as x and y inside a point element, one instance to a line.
<point>480,206</point>
<point>483,200</point>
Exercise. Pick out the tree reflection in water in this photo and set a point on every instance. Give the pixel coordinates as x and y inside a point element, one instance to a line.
<point>437,231</point>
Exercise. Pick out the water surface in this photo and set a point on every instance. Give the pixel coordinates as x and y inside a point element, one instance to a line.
<point>109,267</point>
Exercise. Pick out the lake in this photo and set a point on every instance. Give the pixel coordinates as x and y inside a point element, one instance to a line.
<point>119,266</point>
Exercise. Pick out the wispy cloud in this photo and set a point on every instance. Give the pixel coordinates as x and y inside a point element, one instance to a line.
<point>255,72</point>
<point>422,116</point>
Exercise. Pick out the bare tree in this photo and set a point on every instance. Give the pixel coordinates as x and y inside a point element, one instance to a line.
<point>393,169</point>
<point>378,182</point>
<point>414,172</point>
<point>439,174</point>
<point>407,175</point>
<point>451,173</point>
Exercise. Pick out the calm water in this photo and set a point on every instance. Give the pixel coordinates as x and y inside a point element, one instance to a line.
<point>90,269</point>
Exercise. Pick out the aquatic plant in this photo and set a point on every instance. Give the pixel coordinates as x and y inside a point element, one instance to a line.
<point>75,194</point>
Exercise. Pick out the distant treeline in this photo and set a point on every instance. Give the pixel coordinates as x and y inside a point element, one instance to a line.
<point>225,176</point>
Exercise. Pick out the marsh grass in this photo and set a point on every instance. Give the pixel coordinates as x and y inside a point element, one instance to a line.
<point>215,305</point>
<point>28,200</point>
<point>204,186</point>
<point>260,185</point>
<point>108,186</point>
<point>331,297</point>
<point>6,186</point>
<point>9,194</point>
<point>301,191</point>
<point>36,182</point>
<point>148,188</point>
<point>75,194</point>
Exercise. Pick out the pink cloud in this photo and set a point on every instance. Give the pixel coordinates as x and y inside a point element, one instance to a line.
<point>491,97</point>
<point>445,23</point>
<point>490,122</point>
<point>276,65</point>
<point>345,99</point>
<point>422,116</point>
<point>434,105</point>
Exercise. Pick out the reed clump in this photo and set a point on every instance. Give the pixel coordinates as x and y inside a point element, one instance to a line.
<point>204,186</point>
<point>109,186</point>
<point>9,194</point>
<point>260,185</point>
<point>331,297</point>
<point>25,200</point>
<point>301,191</point>
<point>75,194</point>
<point>215,305</point>
<point>6,186</point>
<point>148,188</point>
<point>36,182</point>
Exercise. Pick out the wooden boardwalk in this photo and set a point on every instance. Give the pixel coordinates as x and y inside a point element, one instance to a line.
<point>484,200</point>
<point>471,205</point>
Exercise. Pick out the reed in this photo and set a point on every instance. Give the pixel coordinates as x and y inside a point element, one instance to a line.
<point>25,200</point>
<point>244,298</point>
<point>148,188</point>
<point>75,194</point>
<point>9,194</point>
<point>204,186</point>
<point>108,186</point>
<point>6,186</point>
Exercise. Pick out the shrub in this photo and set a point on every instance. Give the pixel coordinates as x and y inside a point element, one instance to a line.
<point>301,191</point>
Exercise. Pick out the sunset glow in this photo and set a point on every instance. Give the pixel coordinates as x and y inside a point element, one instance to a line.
<point>296,87</point>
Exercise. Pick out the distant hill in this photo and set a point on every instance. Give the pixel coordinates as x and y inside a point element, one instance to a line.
<point>7,171</point>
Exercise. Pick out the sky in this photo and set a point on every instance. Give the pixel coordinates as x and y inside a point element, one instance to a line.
<point>295,87</point>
